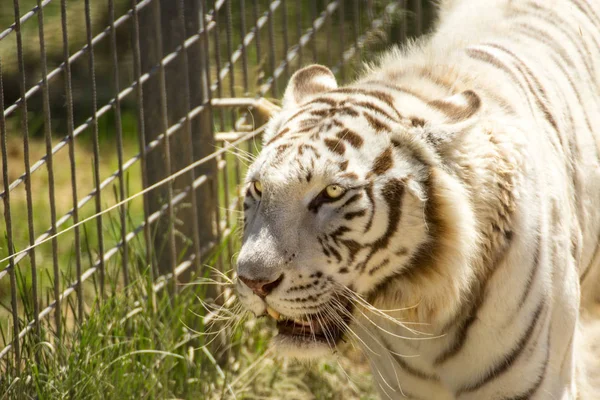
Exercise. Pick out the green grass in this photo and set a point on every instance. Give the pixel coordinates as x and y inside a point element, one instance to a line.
<point>63,192</point>
<point>141,346</point>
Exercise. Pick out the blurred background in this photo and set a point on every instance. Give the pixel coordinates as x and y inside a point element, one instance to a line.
<point>134,298</point>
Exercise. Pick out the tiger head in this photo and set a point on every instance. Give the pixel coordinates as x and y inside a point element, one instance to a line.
<point>348,205</point>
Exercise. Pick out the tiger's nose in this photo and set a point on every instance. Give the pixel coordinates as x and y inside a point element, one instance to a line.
<point>262,287</point>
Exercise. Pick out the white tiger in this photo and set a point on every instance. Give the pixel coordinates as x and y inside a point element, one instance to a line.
<point>444,210</point>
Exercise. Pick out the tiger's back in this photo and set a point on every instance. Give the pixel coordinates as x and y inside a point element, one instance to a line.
<point>536,66</point>
<point>469,167</point>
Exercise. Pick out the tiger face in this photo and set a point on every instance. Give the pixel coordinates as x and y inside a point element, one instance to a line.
<point>338,208</point>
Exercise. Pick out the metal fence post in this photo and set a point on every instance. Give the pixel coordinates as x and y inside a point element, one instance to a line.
<point>182,147</point>
<point>202,127</point>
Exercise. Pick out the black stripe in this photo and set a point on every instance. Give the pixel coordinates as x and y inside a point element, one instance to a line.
<point>585,117</point>
<point>402,251</point>
<point>459,112</point>
<point>538,35</point>
<point>369,191</point>
<point>323,112</point>
<point>464,326</point>
<point>308,176</point>
<point>383,162</point>
<point>353,248</point>
<point>296,115</point>
<point>557,22</point>
<point>323,247</point>
<point>416,121</point>
<point>282,148</point>
<point>353,138</point>
<point>339,232</point>
<point>379,266</point>
<point>377,124</point>
<point>589,12</point>
<point>530,76</point>
<point>575,152</point>
<point>399,89</point>
<point>324,100</point>
<point>533,270</point>
<point>335,146</point>
<point>504,365</point>
<point>308,123</point>
<point>376,94</point>
<point>377,109</point>
<point>538,382</point>
<point>352,199</point>
<point>460,337</point>
<point>279,135</point>
<point>488,58</point>
<point>328,249</point>
<point>584,110</point>
<point>355,214</point>
<point>347,111</point>
<point>335,253</point>
<point>393,193</point>
<point>310,147</point>
<point>337,123</point>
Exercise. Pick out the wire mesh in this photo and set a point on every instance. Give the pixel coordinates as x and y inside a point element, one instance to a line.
<point>152,99</point>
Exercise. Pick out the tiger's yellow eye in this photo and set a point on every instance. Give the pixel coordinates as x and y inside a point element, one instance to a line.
<point>334,191</point>
<point>258,187</point>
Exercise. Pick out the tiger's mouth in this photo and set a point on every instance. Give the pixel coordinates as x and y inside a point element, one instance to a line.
<point>316,327</point>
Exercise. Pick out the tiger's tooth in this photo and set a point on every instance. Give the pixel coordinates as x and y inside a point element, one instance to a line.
<point>276,316</point>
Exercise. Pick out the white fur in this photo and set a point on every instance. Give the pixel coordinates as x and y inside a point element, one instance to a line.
<point>496,160</point>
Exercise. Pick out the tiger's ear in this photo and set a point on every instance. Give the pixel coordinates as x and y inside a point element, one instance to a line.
<point>459,115</point>
<point>458,107</point>
<point>306,83</point>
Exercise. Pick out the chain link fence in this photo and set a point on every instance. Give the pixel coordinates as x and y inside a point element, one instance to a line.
<point>126,127</point>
